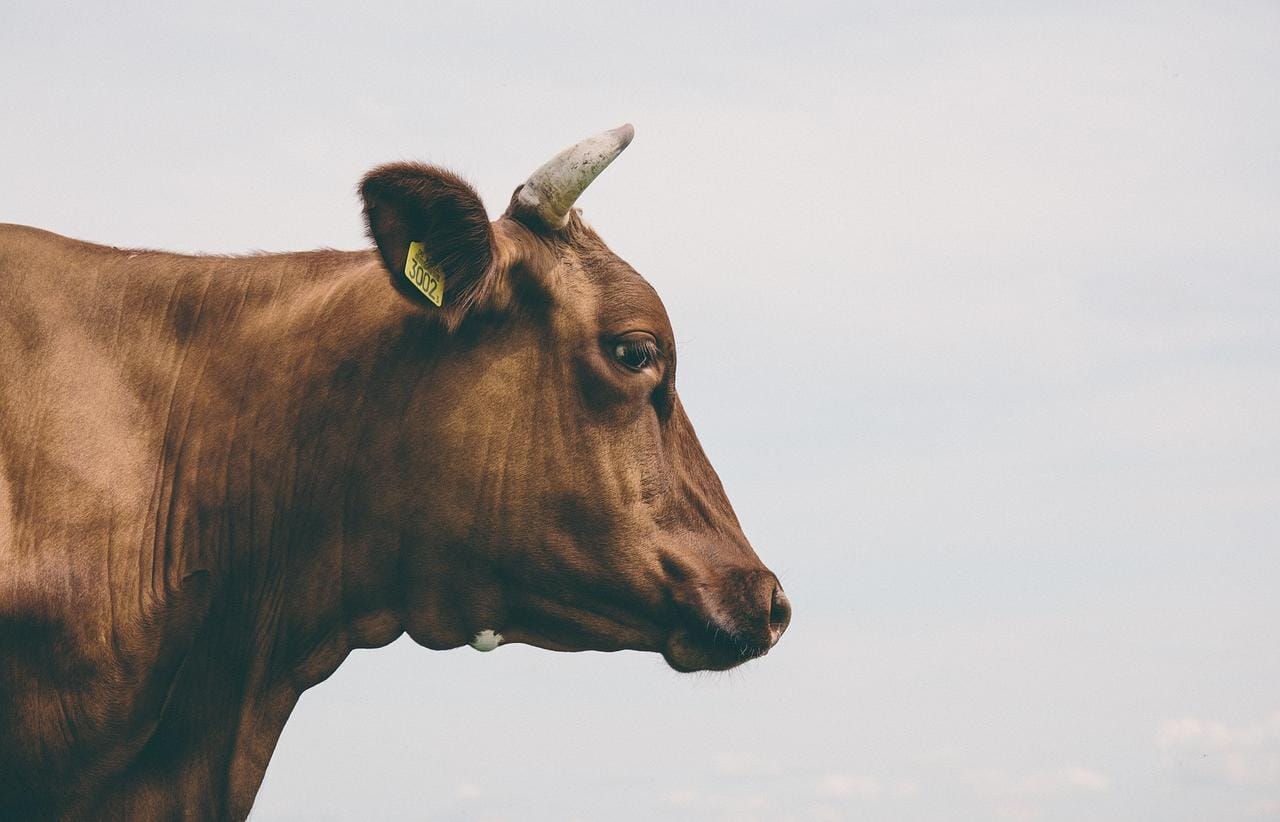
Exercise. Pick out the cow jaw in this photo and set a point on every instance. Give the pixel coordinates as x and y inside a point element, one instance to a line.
<point>703,616</point>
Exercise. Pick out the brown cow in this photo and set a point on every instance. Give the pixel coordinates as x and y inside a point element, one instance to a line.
<point>219,475</point>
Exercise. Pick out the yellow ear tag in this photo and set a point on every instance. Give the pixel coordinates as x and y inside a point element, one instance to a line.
<point>425,277</point>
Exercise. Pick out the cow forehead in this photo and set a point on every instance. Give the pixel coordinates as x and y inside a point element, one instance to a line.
<point>588,278</point>
<point>624,300</point>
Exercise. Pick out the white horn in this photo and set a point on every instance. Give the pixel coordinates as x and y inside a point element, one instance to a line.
<point>552,190</point>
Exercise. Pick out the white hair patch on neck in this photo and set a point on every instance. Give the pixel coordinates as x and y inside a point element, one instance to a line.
<point>486,640</point>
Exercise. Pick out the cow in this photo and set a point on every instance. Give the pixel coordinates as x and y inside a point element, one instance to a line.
<point>221,474</point>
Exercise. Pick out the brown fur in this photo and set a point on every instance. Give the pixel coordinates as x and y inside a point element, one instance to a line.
<point>219,475</point>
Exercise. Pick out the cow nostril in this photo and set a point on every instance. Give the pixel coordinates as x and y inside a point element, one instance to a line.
<point>779,615</point>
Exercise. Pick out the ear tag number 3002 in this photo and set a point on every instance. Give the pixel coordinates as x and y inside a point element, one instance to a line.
<point>425,277</point>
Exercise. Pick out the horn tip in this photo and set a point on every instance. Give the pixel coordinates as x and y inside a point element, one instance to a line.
<point>624,133</point>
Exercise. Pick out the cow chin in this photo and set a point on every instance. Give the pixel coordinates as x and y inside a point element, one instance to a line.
<point>684,650</point>
<point>711,649</point>
<point>559,627</point>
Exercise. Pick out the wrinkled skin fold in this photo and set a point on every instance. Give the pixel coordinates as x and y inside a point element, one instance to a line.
<point>219,475</point>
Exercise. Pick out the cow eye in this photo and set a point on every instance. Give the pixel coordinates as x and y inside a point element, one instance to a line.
<point>636,351</point>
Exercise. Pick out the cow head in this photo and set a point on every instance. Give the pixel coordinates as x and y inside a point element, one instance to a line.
<point>550,486</point>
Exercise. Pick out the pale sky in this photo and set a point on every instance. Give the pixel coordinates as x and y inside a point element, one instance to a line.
<point>978,308</point>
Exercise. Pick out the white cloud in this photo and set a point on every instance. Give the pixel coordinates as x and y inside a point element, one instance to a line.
<point>681,797</point>
<point>468,790</point>
<point>849,786</point>
<point>740,763</point>
<point>715,805</point>
<point>1248,755</point>
<point>1015,812</point>
<point>904,788</point>
<point>1072,779</point>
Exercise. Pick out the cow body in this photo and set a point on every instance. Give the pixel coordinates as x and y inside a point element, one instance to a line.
<point>219,475</point>
<point>154,510</point>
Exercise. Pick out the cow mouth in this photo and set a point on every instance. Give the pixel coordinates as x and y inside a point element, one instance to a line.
<point>701,630</point>
<point>711,647</point>
<point>689,649</point>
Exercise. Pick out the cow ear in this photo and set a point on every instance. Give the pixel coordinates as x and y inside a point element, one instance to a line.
<point>433,234</point>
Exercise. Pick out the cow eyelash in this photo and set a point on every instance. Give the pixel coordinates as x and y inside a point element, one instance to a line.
<point>637,353</point>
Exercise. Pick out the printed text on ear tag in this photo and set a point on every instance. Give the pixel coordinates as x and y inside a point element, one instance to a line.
<point>425,277</point>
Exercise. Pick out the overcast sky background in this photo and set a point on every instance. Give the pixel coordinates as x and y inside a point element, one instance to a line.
<point>979,316</point>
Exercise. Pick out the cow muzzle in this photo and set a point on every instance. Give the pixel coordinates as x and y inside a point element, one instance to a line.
<point>724,624</point>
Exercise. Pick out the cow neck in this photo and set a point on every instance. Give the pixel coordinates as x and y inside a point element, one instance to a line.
<point>267,443</point>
